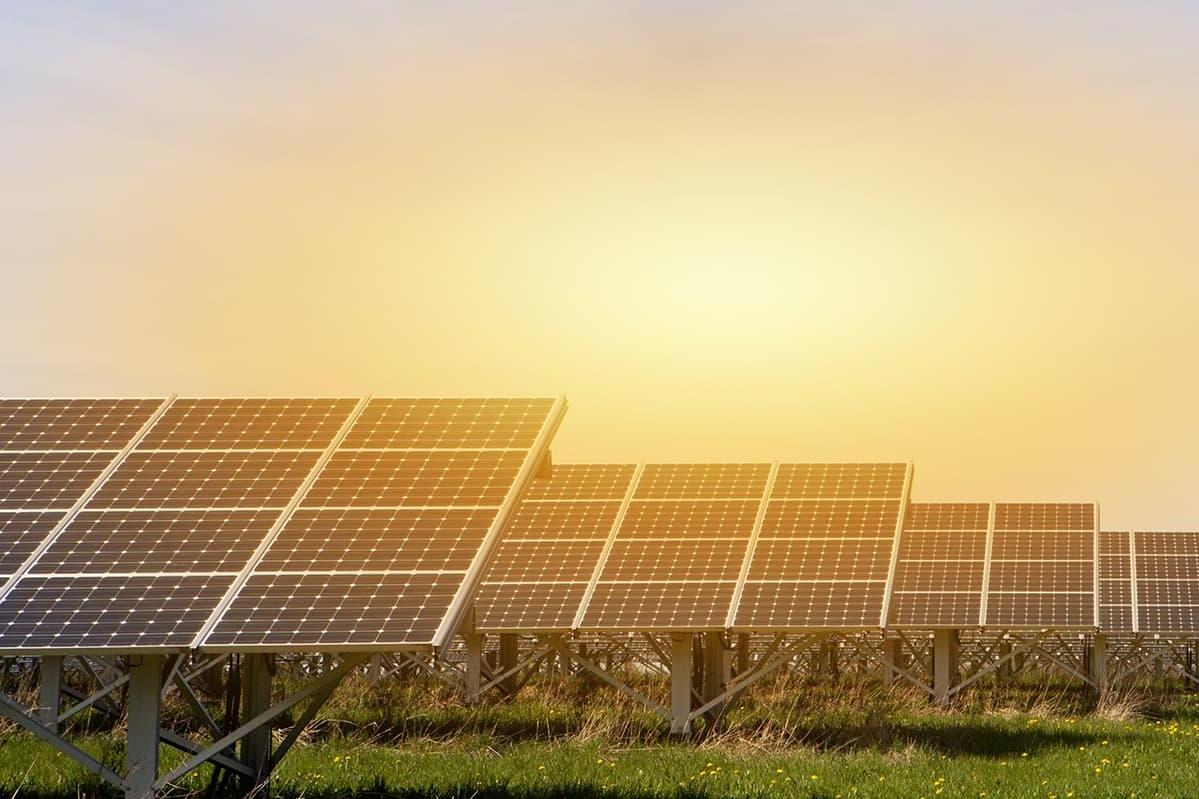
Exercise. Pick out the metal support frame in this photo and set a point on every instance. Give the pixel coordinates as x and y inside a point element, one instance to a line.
<point>717,673</point>
<point>509,657</point>
<point>892,655</point>
<point>1098,663</point>
<point>50,691</point>
<point>256,699</point>
<point>680,683</point>
<point>945,664</point>
<point>474,667</point>
<point>145,708</point>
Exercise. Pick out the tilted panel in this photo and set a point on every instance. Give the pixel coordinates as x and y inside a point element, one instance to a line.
<point>52,452</point>
<point>824,554</point>
<point>702,481</point>
<point>143,564</point>
<point>72,424</point>
<point>676,558</point>
<point>1166,570</point>
<point>389,540</point>
<point>552,546</point>
<point>1115,583</point>
<point>265,424</point>
<point>1043,569</point>
<point>940,564</point>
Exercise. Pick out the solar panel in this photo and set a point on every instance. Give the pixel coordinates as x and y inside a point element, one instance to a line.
<point>1165,579</point>
<point>545,561</point>
<point>939,570</point>
<point>157,546</point>
<point>823,553</point>
<point>1115,583</point>
<point>52,452</point>
<point>1042,570</point>
<point>674,560</point>
<point>412,500</point>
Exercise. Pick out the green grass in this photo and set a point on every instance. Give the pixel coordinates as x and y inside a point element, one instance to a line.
<point>792,738</point>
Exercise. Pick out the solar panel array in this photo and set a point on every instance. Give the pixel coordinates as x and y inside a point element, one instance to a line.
<point>385,543</point>
<point>134,525</point>
<point>940,567</point>
<point>699,547</point>
<point>1116,603</point>
<point>676,557</point>
<point>823,555</point>
<point>1166,574</point>
<point>145,561</point>
<point>544,563</point>
<point>1042,566</point>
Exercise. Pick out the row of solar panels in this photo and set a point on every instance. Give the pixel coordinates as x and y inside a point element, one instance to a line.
<point>243,524</point>
<point>293,524</point>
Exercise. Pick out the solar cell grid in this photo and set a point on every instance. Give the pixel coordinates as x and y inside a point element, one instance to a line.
<point>1045,516</point>
<point>940,565</point>
<point>839,480</point>
<point>563,520</point>
<point>702,480</point>
<point>821,558</point>
<point>249,424</point>
<point>394,539</point>
<point>688,519</point>
<point>96,612</point>
<point>308,610</point>
<point>393,529</point>
<point>48,480</point>
<point>449,423</point>
<point>1043,570</point>
<point>439,478</point>
<point>659,605</point>
<point>528,606</point>
<point>20,535</point>
<point>155,541</point>
<point>72,424</point>
<point>578,482</point>
<point>800,605</point>
<point>152,479</point>
<point>550,551</point>
<point>831,519</point>
<point>911,609</point>
<point>545,561</point>
<point>673,558</point>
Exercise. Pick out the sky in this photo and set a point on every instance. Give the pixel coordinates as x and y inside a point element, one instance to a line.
<point>960,234</point>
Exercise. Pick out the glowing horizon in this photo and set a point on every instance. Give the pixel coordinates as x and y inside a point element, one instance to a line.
<point>960,238</point>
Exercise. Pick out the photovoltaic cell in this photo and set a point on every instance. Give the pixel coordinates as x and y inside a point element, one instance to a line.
<point>20,535</point>
<point>1167,582</point>
<point>1115,582</point>
<point>1043,562</point>
<point>940,565</point>
<point>383,543</point>
<point>72,424</point>
<point>684,534</point>
<point>547,556</point>
<point>264,424</point>
<point>51,480</point>
<point>822,558</point>
<point>150,555</point>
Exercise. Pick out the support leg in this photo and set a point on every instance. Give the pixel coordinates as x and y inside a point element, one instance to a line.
<point>716,672</point>
<point>892,649</point>
<point>945,663</point>
<point>474,667</point>
<point>50,694</point>
<point>509,652</point>
<point>256,699</point>
<point>1099,663</point>
<point>680,683</point>
<point>742,653</point>
<point>145,704</point>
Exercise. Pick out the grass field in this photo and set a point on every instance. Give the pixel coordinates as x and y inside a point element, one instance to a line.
<point>791,738</point>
